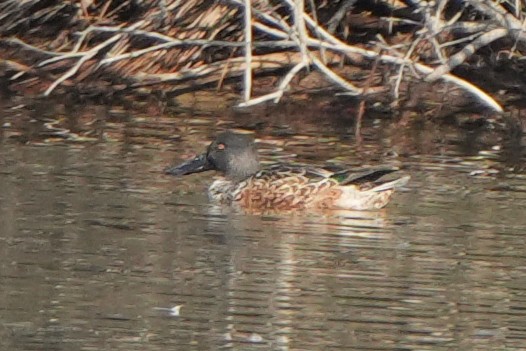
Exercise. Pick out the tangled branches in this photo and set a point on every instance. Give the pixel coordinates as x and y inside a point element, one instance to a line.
<point>182,45</point>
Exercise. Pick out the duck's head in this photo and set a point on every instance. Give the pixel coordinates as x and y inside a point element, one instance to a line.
<point>233,154</point>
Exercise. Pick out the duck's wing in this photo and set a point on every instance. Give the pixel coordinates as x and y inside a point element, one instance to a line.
<point>312,174</point>
<point>362,176</point>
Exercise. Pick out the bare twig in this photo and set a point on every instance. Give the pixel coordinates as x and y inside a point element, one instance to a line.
<point>466,52</point>
<point>288,78</point>
<point>501,16</point>
<point>17,41</point>
<point>87,56</point>
<point>278,94</point>
<point>361,109</point>
<point>248,50</point>
<point>72,71</point>
<point>301,29</point>
<point>402,67</point>
<point>352,90</point>
<point>344,8</point>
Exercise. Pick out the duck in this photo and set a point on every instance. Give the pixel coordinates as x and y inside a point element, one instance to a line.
<point>243,183</point>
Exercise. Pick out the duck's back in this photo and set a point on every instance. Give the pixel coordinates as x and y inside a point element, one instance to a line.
<point>280,188</point>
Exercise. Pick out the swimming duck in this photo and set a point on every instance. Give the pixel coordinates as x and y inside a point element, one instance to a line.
<point>245,185</point>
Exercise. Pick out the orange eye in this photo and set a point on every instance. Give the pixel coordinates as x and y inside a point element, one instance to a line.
<point>220,146</point>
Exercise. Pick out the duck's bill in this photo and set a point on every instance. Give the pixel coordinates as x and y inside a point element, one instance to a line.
<point>195,165</point>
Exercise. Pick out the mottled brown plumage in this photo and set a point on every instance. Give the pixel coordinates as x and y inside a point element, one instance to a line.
<point>282,187</point>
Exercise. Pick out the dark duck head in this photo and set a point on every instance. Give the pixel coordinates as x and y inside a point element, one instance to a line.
<point>232,154</point>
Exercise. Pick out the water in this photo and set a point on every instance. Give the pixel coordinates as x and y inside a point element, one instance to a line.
<point>96,241</point>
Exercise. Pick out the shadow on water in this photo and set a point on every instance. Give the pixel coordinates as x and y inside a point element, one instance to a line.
<point>96,242</point>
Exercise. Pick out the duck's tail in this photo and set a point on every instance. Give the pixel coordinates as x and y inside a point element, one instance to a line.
<point>397,183</point>
<point>354,198</point>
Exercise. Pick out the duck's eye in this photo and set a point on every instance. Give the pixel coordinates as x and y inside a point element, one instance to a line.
<point>221,146</point>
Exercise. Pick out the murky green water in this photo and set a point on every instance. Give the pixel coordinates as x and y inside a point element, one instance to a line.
<point>95,239</point>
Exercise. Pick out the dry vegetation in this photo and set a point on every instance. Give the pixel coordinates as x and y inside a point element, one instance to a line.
<point>89,46</point>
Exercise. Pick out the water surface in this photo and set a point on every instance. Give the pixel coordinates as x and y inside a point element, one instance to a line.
<point>95,240</point>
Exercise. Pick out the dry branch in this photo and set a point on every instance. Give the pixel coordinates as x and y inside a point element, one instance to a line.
<point>177,45</point>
